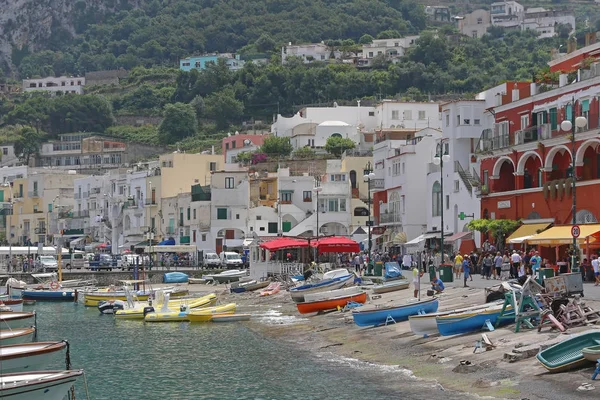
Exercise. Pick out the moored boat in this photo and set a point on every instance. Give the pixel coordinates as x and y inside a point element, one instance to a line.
<point>16,336</point>
<point>391,286</point>
<point>29,356</point>
<point>92,299</point>
<point>232,275</point>
<point>167,316</point>
<point>206,314</point>
<point>379,315</point>
<point>15,305</point>
<point>332,293</point>
<point>248,286</point>
<point>299,292</point>
<point>50,295</point>
<point>272,289</point>
<point>12,320</point>
<point>426,325</point>
<point>111,306</point>
<point>591,353</point>
<point>39,385</point>
<point>196,280</point>
<point>470,321</point>
<point>230,317</point>
<point>568,354</point>
<point>336,273</point>
<point>331,303</point>
<point>137,311</point>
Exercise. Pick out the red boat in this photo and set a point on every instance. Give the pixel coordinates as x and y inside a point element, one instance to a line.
<point>331,304</point>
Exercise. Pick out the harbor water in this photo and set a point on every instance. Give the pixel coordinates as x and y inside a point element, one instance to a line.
<point>136,360</point>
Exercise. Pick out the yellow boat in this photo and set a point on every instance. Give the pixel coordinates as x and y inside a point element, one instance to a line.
<point>206,314</point>
<point>94,298</point>
<point>174,305</point>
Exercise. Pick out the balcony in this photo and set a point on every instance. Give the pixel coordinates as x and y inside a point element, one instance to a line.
<point>33,193</point>
<point>526,135</point>
<point>377,184</point>
<point>150,202</point>
<point>85,195</point>
<point>77,196</point>
<point>81,214</point>
<point>40,231</point>
<point>95,191</point>
<point>170,231</point>
<point>392,218</point>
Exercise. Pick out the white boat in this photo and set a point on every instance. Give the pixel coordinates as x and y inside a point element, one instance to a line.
<point>29,356</point>
<point>14,305</point>
<point>46,279</point>
<point>336,273</point>
<point>299,292</point>
<point>196,280</point>
<point>15,336</point>
<point>391,286</point>
<point>42,385</point>
<point>330,294</point>
<point>232,275</point>
<point>426,325</point>
<point>12,320</point>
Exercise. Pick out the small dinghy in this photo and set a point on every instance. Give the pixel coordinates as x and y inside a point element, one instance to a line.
<point>11,320</point>
<point>29,356</point>
<point>39,385</point>
<point>15,305</point>
<point>111,306</point>
<point>14,336</point>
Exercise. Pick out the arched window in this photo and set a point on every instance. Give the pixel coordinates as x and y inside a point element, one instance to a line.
<point>436,200</point>
<point>534,215</point>
<point>336,135</point>
<point>353,179</point>
<point>585,217</point>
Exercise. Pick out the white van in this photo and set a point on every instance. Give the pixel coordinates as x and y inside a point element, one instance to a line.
<point>231,260</point>
<point>210,260</point>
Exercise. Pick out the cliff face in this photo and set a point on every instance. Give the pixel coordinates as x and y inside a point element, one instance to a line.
<point>35,25</point>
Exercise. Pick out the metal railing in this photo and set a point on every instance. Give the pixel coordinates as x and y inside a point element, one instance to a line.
<point>34,193</point>
<point>390,218</point>
<point>377,183</point>
<point>463,176</point>
<point>150,202</point>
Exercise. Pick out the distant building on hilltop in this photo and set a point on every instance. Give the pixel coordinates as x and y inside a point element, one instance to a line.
<point>438,13</point>
<point>233,61</point>
<point>391,49</point>
<point>309,52</point>
<point>63,84</point>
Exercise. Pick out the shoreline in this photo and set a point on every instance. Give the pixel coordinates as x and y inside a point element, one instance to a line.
<point>435,360</point>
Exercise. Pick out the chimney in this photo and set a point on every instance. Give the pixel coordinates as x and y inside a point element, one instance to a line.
<point>562,80</point>
<point>515,93</point>
<point>590,38</point>
<point>212,150</point>
<point>571,46</point>
<point>533,88</point>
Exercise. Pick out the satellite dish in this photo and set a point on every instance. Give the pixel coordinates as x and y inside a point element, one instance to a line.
<point>247,142</point>
<point>228,134</point>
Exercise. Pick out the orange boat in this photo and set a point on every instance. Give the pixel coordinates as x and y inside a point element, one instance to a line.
<point>331,304</point>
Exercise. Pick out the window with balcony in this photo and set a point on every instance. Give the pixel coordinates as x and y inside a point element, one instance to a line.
<point>554,119</point>
<point>229,183</point>
<point>436,200</point>
<point>524,121</point>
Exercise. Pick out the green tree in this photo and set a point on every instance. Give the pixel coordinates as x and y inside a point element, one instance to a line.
<point>365,39</point>
<point>199,106</point>
<point>304,152</point>
<point>430,48</point>
<point>336,145</point>
<point>499,229</point>
<point>277,146</point>
<point>28,143</point>
<point>223,108</point>
<point>389,34</point>
<point>244,157</point>
<point>265,43</point>
<point>179,122</point>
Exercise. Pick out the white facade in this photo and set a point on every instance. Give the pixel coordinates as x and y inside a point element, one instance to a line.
<point>59,84</point>
<point>505,8</point>
<point>230,198</point>
<point>391,49</point>
<point>9,174</point>
<point>475,24</point>
<point>231,154</point>
<point>512,15</point>
<point>9,158</point>
<point>309,52</point>
<point>408,115</point>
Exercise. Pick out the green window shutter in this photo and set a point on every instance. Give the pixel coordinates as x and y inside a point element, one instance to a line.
<point>221,213</point>
<point>272,227</point>
<point>585,105</point>
<point>569,112</point>
<point>287,226</point>
<point>189,213</point>
<point>553,119</point>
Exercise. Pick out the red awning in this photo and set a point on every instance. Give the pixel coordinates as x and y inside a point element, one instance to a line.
<point>456,236</point>
<point>283,243</point>
<point>467,246</point>
<point>336,244</point>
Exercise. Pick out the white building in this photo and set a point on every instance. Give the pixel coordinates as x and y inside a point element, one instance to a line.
<point>475,24</point>
<point>309,52</point>
<point>501,9</point>
<point>316,136</point>
<point>512,15</point>
<point>408,115</point>
<point>391,49</point>
<point>63,84</point>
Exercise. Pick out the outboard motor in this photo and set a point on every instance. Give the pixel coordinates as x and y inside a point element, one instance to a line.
<point>308,274</point>
<point>148,310</point>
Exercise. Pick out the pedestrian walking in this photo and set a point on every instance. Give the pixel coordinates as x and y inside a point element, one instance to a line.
<point>466,268</point>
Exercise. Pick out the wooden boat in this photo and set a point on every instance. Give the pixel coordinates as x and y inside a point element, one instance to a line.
<point>29,356</point>
<point>331,304</point>
<point>39,385</point>
<point>92,299</point>
<point>137,312</point>
<point>336,273</point>
<point>332,293</point>
<point>230,317</point>
<point>469,321</point>
<point>322,286</point>
<point>232,275</point>
<point>15,336</point>
<point>591,353</point>
<point>391,286</point>
<point>196,280</point>
<point>568,354</point>
<point>12,320</point>
<point>206,314</point>
<point>15,305</point>
<point>50,295</point>
<point>248,286</point>
<point>272,289</point>
<point>379,315</point>
<point>426,325</point>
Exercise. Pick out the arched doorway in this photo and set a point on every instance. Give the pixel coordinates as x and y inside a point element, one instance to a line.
<point>505,171</point>
<point>333,228</point>
<point>558,161</point>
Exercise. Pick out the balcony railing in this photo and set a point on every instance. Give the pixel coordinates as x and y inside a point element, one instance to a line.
<point>390,218</point>
<point>150,202</point>
<point>170,231</point>
<point>40,231</point>
<point>94,190</point>
<point>34,193</point>
<point>81,214</point>
<point>377,183</point>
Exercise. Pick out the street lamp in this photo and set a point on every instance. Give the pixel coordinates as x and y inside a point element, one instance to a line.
<point>317,190</point>
<point>369,174</point>
<point>439,159</point>
<point>571,126</point>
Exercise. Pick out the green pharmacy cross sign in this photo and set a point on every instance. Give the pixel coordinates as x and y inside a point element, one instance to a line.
<point>462,216</point>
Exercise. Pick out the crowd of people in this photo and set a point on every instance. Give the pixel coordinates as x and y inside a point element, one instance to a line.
<point>19,263</point>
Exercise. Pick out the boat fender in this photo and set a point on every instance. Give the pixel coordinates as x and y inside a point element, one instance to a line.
<point>148,310</point>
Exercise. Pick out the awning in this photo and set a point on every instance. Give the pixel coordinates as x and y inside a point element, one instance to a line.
<point>247,242</point>
<point>77,241</point>
<point>467,246</point>
<point>400,238</point>
<point>416,241</point>
<point>373,238</point>
<point>457,236</point>
<point>182,248</point>
<point>527,230</point>
<point>167,242</point>
<point>520,240</point>
<point>284,243</point>
<point>336,244</point>
<point>558,235</point>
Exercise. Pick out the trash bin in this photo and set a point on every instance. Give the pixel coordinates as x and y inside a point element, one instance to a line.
<point>432,273</point>
<point>544,274</point>
<point>446,273</point>
<point>378,269</point>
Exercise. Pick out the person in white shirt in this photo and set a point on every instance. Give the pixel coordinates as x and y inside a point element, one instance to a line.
<point>515,259</point>
<point>596,267</point>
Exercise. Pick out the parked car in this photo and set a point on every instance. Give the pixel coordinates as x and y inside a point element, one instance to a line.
<point>210,260</point>
<point>128,261</point>
<point>75,260</point>
<point>231,260</point>
<point>103,262</point>
<point>47,263</point>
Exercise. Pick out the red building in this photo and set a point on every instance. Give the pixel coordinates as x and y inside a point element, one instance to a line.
<point>526,158</point>
<point>573,61</point>
<point>246,142</point>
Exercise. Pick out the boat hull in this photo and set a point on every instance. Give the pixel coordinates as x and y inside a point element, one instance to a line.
<point>323,286</point>
<point>205,315</point>
<point>230,317</point>
<point>29,356</point>
<point>93,299</point>
<point>591,353</point>
<point>174,305</point>
<point>169,316</point>
<point>50,295</point>
<point>251,287</point>
<point>330,304</point>
<point>568,354</point>
<point>16,336</point>
<point>13,320</point>
<point>379,316</point>
<point>272,289</point>
<point>330,294</point>
<point>54,387</point>
<point>391,286</point>
<point>16,305</point>
<point>467,322</point>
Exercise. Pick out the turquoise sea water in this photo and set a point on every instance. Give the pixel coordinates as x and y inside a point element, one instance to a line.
<point>134,360</point>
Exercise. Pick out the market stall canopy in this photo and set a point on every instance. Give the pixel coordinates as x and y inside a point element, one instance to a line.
<point>457,236</point>
<point>525,232</point>
<point>336,244</point>
<point>558,235</point>
<point>416,241</point>
<point>167,242</point>
<point>182,248</point>
<point>400,238</point>
<point>283,243</point>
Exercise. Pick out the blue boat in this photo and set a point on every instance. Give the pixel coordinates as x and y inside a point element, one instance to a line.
<point>374,316</point>
<point>469,321</point>
<point>175,277</point>
<point>50,295</point>
<point>327,284</point>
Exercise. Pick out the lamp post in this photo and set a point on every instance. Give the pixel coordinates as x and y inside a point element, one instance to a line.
<point>439,159</point>
<point>368,175</point>
<point>571,126</point>
<point>317,190</point>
